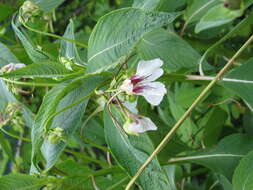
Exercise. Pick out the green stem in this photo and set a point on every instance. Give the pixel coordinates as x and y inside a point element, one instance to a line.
<point>14,136</point>
<point>28,83</point>
<point>171,133</point>
<point>54,36</point>
<point>117,184</point>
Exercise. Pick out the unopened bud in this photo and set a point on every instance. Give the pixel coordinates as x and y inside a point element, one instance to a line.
<point>67,62</point>
<point>56,135</point>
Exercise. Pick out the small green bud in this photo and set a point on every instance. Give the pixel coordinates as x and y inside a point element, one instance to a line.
<point>28,10</point>
<point>67,62</point>
<point>56,135</point>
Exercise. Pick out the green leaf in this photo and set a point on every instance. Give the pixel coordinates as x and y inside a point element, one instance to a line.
<point>146,4</point>
<point>6,56</point>
<point>170,5</point>
<point>116,34</point>
<point>42,70</point>
<point>240,81</point>
<point>246,22</point>
<point>243,176</point>
<point>48,5</point>
<point>174,51</point>
<point>223,158</point>
<point>131,152</point>
<point>196,9</point>
<point>188,128</point>
<point>35,54</point>
<point>217,16</point>
<point>6,96</point>
<point>160,5</point>
<point>171,172</point>
<point>5,11</point>
<point>69,49</point>
<point>213,126</point>
<point>6,147</point>
<point>21,182</point>
<point>71,94</point>
<point>224,182</point>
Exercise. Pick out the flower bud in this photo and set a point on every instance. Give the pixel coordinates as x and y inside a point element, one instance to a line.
<point>29,10</point>
<point>56,135</point>
<point>67,62</point>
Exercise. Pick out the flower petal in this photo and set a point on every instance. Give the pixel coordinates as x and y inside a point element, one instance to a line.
<point>142,125</point>
<point>154,92</point>
<point>150,69</point>
<point>147,125</point>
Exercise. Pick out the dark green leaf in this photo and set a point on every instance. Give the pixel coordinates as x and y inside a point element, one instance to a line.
<point>223,158</point>
<point>243,176</point>
<point>173,50</point>
<point>240,81</point>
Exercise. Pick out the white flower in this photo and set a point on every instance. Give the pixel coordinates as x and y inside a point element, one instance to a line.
<point>12,66</point>
<point>142,82</point>
<point>139,125</point>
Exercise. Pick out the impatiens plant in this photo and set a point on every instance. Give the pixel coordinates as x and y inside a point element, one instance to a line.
<point>126,94</point>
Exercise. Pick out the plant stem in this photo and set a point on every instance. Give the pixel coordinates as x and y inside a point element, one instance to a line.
<point>188,112</point>
<point>55,36</point>
<point>28,83</point>
<point>14,136</point>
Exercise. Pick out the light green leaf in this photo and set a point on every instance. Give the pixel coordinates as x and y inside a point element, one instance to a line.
<point>6,56</point>
<point>174,51</point>
<point>42,70</point>
<point>71,94</point>
<point>69,49</point>
<point>21,182</point>
<point>48,5</point>
<point>116,34</point>
<point>243,176</point>
<point>171,172</point>
<point>35,54</point>
<point>223,158</point>
<point>217,16</point>
<point>240,81</point>
<point>131,152</point>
